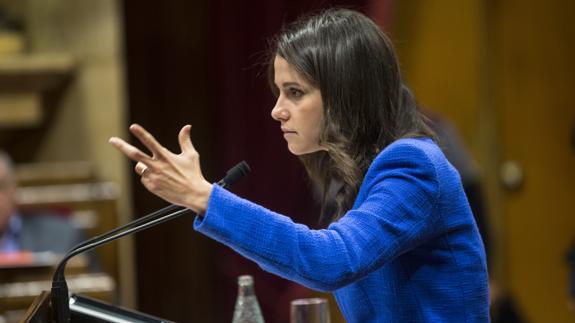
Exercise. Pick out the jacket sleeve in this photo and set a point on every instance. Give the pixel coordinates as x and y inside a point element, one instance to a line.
<point>396,215</point>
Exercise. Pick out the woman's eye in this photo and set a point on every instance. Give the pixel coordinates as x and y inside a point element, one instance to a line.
<point>295,93</point>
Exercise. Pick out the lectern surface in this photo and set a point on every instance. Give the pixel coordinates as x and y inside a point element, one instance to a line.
<point>89,310</point>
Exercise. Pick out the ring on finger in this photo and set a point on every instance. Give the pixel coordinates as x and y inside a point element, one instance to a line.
<point>141,168</point>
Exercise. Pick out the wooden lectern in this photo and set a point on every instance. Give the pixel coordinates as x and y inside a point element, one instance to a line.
<point>39,311</point>
<point>86,310</point>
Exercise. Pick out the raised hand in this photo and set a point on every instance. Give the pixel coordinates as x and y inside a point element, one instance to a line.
<point>176,178</point>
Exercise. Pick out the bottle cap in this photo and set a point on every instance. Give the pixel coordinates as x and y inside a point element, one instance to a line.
<point>245,280</point>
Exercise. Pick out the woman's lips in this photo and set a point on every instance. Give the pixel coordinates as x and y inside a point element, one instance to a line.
<point>288,133</point>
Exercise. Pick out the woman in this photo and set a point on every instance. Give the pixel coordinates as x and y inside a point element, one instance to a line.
<point>402,245</point>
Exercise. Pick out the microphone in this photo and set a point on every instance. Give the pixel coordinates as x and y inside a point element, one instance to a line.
<point>235,174</point>
<point>59,293</point>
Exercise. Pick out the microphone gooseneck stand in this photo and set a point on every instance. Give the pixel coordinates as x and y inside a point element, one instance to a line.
<point>59,294</point>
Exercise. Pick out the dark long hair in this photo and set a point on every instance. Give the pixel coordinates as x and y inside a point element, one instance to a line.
<point>366,104</point>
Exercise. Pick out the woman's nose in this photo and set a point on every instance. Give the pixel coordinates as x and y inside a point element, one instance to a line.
<point>279,113</point>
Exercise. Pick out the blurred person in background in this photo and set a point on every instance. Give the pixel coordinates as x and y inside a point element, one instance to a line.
<point>456,152</point>
<point>31,232</point>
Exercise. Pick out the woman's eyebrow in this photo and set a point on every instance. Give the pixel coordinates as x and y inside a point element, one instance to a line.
<point>288,84</point>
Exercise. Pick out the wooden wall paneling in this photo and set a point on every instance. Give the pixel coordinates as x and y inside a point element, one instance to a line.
<point>533,45</point>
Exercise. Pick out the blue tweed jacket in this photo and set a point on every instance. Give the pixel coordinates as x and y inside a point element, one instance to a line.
<point>408,251</point>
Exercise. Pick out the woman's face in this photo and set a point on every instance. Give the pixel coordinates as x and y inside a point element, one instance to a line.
<point>299,109</point>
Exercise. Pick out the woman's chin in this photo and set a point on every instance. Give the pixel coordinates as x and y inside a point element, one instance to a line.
<point>295,151</point>
<point>298,151</point>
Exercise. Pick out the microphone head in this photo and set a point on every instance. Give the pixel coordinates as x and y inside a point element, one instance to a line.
<point>236,173</point>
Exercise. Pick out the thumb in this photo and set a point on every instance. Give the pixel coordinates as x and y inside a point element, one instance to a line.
<point>185,139</point>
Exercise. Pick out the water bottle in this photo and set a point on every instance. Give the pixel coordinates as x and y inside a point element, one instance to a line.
<point>247,308</point>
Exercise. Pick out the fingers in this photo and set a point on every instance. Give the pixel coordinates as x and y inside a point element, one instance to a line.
<point>185,139</point>
<point>147,139</point>
<point>130,151</point>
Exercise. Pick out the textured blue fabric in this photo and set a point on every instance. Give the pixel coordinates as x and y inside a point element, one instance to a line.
<point>408,251</point>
